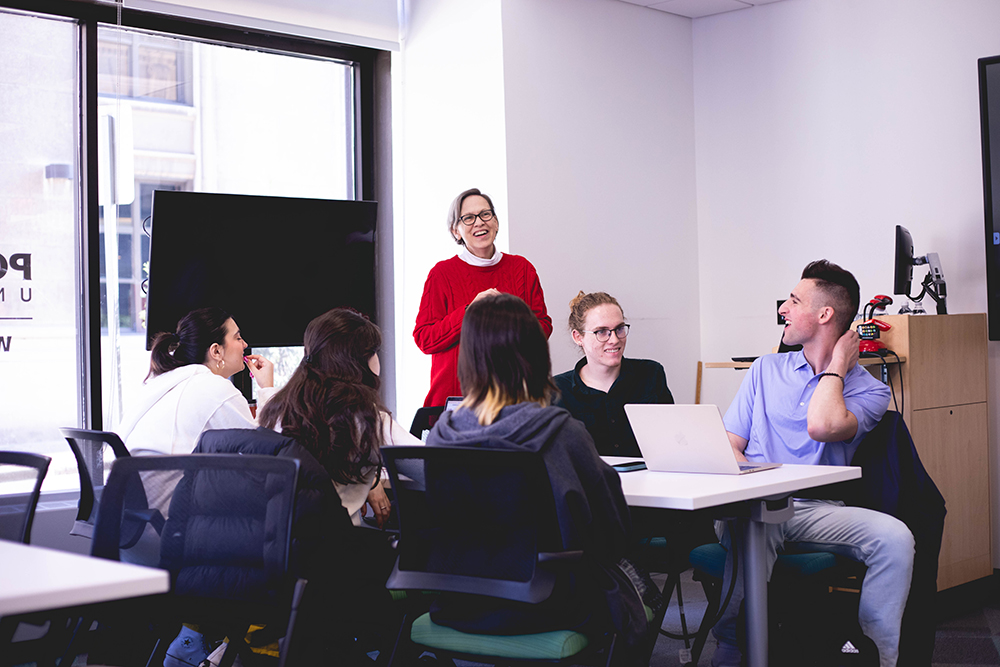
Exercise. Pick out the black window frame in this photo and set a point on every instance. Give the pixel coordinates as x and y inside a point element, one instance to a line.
<point>89,14</point>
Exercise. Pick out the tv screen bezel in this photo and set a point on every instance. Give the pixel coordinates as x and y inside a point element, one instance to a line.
<point>992,249</point>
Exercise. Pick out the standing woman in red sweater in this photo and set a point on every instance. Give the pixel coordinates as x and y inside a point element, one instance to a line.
<point>477,271</point>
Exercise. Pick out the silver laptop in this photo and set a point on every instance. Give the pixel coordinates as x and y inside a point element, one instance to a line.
<point>686,438</point>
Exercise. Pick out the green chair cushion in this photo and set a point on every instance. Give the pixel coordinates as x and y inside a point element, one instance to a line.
<point>711,559</point>
<point>554,645</point>
<point>804,565</point>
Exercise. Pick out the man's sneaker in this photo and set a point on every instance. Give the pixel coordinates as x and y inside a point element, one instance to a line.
<point>187,650</point>
<point>726,655</point>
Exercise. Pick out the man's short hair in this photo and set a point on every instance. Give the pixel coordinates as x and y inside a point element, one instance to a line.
<point>839,288</point>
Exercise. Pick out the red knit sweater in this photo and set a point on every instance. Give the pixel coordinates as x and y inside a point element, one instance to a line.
<point>451,286</point>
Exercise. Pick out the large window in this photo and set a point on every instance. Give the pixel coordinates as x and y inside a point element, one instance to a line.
<point>234,121</point>
<point>41,302</point>
<point>151,103</point>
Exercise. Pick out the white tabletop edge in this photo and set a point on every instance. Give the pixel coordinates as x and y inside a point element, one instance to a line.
<point>689,491</point>
<point>36,578</point>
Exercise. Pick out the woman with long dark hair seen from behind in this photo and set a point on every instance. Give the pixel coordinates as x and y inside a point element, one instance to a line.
<point>188,390</point>
<point>505,370</point>
<point>331,406</point>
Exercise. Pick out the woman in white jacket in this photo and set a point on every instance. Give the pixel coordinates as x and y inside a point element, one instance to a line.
<point>188,390</point>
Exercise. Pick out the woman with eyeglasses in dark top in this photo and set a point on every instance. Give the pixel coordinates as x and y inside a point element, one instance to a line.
<point>604,381</point>
<point>477,271</point>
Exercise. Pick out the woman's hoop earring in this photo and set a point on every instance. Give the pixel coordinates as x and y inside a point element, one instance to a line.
<point>222,363</point>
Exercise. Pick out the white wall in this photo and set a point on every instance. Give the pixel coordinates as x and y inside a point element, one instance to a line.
<point>600,168</point>
<point>448,136</point>
<point>822,124</point>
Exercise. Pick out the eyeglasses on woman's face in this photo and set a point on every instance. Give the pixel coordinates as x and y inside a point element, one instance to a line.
<point>469,219</point>
<point>604,335</point>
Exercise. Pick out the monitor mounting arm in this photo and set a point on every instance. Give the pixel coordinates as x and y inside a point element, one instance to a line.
<point>933,283</point>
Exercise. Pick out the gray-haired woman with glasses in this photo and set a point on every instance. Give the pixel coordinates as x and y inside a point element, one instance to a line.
<point>478,270</point>
<point>604,381</point>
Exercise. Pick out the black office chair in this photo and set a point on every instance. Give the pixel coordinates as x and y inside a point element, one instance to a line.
<point>225,539</point>
<point>17,509</point>
<point>424,419</point>
<point>480,523</point>
<point>90,449</point>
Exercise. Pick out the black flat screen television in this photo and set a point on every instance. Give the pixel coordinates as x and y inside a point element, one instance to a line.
<point>274,263</point>
<point>989,114</point>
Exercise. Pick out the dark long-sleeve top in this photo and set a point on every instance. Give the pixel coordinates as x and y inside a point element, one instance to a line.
<point>603,414</point>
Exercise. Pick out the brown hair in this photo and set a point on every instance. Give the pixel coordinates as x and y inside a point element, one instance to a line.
<point>503,357</point>
<point>839,288</point>
<point>331,404</point>
<point>196,332</point>
<point>582,304</point>
<point>455,211</point>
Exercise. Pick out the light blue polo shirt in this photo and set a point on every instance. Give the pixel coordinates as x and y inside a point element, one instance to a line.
<point>771,406</point>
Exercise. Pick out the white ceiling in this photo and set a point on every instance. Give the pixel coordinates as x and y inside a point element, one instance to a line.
<point>697,8</point>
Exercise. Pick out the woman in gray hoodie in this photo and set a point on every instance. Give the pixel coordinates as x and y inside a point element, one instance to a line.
<point>505,372</point>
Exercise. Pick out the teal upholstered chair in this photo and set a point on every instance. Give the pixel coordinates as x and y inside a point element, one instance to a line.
<point>479,525</point>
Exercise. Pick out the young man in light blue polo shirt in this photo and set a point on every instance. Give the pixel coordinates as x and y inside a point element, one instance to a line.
<point>815,406</point>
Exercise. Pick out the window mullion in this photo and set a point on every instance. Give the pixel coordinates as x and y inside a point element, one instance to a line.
<point>93,412</point>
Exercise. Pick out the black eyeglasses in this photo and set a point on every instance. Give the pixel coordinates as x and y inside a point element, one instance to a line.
<point>469,219</point>
<point>604,335</point>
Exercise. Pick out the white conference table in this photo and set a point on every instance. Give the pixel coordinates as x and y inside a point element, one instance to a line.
<point>687,491</point>
<point>35,579</point>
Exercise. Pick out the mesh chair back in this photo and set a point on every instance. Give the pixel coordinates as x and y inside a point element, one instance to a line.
<point>23,474</point>
<point>473,520</point>
<point>94,451</point>
<point>223,529</point>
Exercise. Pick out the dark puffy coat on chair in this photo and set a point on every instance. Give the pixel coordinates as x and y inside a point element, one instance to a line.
<point>346,584</point>
<point>321,523</point>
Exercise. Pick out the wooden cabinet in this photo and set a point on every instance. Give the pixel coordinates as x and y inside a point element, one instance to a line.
<point>943,397</point>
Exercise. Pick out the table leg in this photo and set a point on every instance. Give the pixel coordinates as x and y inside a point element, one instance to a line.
<point>762,512</point>
<point>755,593</point>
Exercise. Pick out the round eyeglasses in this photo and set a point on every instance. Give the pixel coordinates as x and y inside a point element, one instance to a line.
<point>604,335</point>
<point>469,219</point>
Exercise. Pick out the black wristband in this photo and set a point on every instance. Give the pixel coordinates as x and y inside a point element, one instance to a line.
<point>823,375</point>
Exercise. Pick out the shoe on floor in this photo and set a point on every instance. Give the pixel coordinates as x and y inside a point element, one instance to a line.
<point>726,655</point>
<point>216,657</point>
<point>188,649</point>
